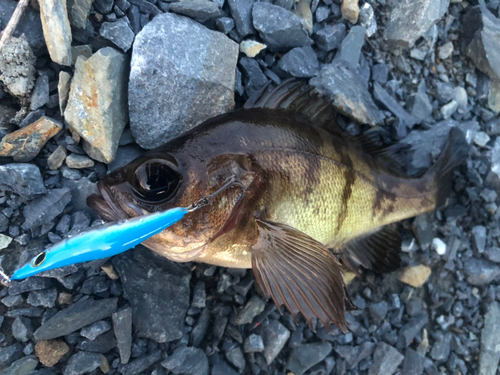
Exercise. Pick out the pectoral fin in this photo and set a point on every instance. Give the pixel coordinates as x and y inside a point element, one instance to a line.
<point>378,251</point>
<point>300,273</point>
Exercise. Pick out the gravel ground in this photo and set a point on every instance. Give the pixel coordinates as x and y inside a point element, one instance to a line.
<point>114,77</point>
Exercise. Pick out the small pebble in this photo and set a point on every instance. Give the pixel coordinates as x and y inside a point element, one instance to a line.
<point>439,246</point>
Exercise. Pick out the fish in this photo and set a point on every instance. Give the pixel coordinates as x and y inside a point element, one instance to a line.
<point>311,199</point>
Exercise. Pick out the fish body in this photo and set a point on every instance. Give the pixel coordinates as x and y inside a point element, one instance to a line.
<point>305,187</point>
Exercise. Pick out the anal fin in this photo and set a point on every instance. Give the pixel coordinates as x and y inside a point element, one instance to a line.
<point>300,273</point>
<point>378,252</point>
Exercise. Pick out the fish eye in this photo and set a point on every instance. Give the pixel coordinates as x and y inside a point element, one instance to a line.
<point>40,258</point>
<point>156,180</point>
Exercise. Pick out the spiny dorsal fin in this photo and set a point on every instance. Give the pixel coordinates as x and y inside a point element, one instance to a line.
<point>297,96</point>
<point>300,273</point>
<point>378,252</point>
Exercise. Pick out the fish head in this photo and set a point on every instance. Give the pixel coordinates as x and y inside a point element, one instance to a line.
<point>163,179</point>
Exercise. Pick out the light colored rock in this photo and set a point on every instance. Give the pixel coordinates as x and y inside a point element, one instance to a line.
<point>439,246</point>
<point>79,161</point>
<point>445,50</point>
<point>494,96</point>
<point>181,74</point>
<point>25,143</point>
<point>490,341</point>
<point>251,48</point>
<point>16,66</point>
<point>56,30</point>
<point>350,10</point>
<point>415,276</point>
<point>449,109</point>
<point>368,20</point>
<point>303,10</point>
<point>63,87</point>
<point>50,352</point>
<point>4,241</point>
<point>97,107</point>
<point>56,159</point>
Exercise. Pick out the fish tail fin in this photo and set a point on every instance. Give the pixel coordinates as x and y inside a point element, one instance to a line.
<point>454,153</point>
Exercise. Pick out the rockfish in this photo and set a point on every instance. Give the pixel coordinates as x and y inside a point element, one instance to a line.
<point>309,198</point>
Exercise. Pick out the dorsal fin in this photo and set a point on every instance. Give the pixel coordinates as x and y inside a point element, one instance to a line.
<point>297,96</point>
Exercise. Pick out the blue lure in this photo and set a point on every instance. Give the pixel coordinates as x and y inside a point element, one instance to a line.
<point>103,242</point>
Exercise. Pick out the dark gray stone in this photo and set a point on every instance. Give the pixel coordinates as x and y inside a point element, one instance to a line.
<point>141,364</point>
<point>92,331</point>
<point>200,10</point>
<point>46,298</point>
<point>78,12</point>
<point>222,368</point>
<point>378,311</point>
<point>413,363</point>
<point>392,105</point>
<point>480,272</point>
<point>300,62</point>
<point>102,344</point>
<point>380,73</point>
<point>350,48</point>
<point>330,37</point>
<point>22,178</point>
<point>253,344</point>
<point>441,348</point>
<point>348,92</point>
<point>32,283</point>
<point>84,312</point>
<point>200,328</point>
<point>122,326</point>
<point>187,361</point>
<point>225,24</point>
<point>444,92</point>
<point>146,7</point>
<point>253,76</point>
<point>275,336</point>
<point>279,28</point>
<point>45,209</point>
<point>482,32</point>
<point>386,360</point>
<point>103,6</point>
<point>408,332</point>
<point>254,307</point>
<point>306,356</point>
<point>82,363</point>
<point>119,33</point>
<point>241,10</point>
<point>190,81</point>
<point>199,295</point>
<point>9,354</point>
<point>23,366</point>
<point>40,95</point>
<point>22,329</point>
<point>158,291</point>
<point>420,106</point>
<point>236,358</point>
<point>403,31</point>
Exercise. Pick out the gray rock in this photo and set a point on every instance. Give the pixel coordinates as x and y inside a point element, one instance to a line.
<point>84,312</point>
<point>275,336</point>
<point>480,272</point>
<point>445,50</point>
<point>225,24</point>
<point>46,297</point>
<point>378,311</point>
<point>119,33</point>
<point>158,291</point>
<point>253,76</point>
<point>222,368</point>
<point>241,10</point>
<point>386,360</point>
<point>350,48</point>
<point>413,363</point>
<point>254,307</point>
<point>100,122</point>
<point>82,363</point>
<point>392,105</point>
<point>29,25</point>
<point>408,332</point>
<point>187,361</point>
<point>235,357</point>
<point>479,237</point>
<point>199,295</point>
<point>380,73</point>
<point>22,329</point>
<point>17,69</point>
<point>253,344</point>
<point>40,95</point>
<point>79,161</point>
<point>63,87</point>
<point>441,348</point>
<point>200,10</point>
<point>420,106</point>
<point>22,178</point>
<point>306,356</point>
<point>493,254</point>
<point>32,283</point>
<point>78,12</point>
<point>403,31</point>
<point>56,30</point>
<point>190,81</point>
<point>45,209</point>
<point>102,344</point>
<point>22,366</point>
<point>103,6</point>
<point>141,364</point>
<point>80,190</point>
<point>124,155</point>
<point>83,51</point>
<point>55,160</point>
<point>482,36</point>
<point>279,28</point>
<point>490,341</point>
<point>367,19</point>
<point>349,93</point>
<point>300,62</point>
<point>330,37</point>
<point>96,329</point>
<point>9,354</point>
<point>122,327</point>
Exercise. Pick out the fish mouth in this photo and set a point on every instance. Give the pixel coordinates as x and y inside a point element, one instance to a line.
<point>105,205</point>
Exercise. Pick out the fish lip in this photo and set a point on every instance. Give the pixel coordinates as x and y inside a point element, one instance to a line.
<point>104,204</point>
